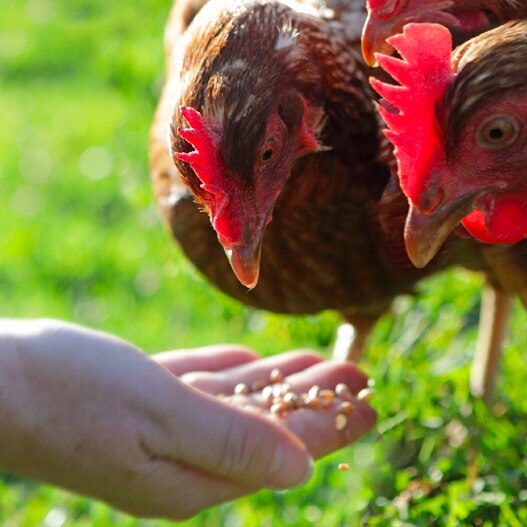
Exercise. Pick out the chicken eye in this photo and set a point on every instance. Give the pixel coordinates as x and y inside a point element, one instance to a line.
<point>268,149</point>
<point>267,154</point>
<point>498,132</point>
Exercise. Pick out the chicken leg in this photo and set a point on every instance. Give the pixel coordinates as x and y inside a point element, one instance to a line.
<point>352,336</point>
<point>494,315</point>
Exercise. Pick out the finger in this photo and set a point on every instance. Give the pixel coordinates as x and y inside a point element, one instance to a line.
<point>210,358</point>
<point>328,375</point>
<point>319,430</point>
<point>252,373</point>
<point>243,446</point>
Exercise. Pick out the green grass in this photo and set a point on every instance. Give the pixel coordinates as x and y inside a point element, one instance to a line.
<point>81,241</point>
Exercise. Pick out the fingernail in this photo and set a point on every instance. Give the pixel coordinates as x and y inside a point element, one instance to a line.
<point>309,471</point>
<point>291,467</point>
<point>364,419</point>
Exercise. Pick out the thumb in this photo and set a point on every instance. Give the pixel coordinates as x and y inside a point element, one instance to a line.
<point>236,444</point>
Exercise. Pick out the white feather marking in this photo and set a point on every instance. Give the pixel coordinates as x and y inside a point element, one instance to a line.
<point>238,64</point>
<point>248,103</point>
<point>287,36</point>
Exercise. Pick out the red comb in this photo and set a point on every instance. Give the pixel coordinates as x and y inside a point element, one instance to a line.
<point>409,109</point>
<point>205,162</point>
<point>204,159</point>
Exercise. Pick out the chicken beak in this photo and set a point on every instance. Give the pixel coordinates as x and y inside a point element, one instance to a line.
<point>374,35</point>
<point>425,233</point>
<point>245,259</point>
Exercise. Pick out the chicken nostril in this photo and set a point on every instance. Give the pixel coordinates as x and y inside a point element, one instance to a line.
<point>431,199</point>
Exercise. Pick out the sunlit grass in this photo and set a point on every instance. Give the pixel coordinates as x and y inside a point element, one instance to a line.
<point>81,241</point>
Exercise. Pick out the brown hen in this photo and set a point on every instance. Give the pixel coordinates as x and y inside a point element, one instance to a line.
<point>459,124</point>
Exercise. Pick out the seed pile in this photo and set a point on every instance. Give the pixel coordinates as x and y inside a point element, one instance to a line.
<point>279,398</point>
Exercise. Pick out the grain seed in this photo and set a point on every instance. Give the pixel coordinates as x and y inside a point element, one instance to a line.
<point>278,409</point>
<point>345,407</point>
<point>313,392</point>
<point>327,395</point>
<point>340,422</point>
<point>365,395</point>
<point>267,394</point>
<point>276,375</point>
<point>291,399</point>
<point>343,391</point>
<point>242,389</point>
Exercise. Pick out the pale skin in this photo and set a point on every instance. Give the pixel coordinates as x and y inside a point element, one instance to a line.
<point>89,412</point>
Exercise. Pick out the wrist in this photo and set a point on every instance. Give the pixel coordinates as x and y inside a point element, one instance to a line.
<point>12,386</point>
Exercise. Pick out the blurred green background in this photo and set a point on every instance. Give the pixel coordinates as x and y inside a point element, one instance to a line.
<point>81,241</point>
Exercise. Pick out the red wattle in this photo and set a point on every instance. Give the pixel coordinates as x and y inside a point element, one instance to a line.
<point>507,223</point>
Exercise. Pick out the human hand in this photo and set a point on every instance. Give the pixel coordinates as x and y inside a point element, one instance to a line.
<point>91,413</point>
<point>302,369</point>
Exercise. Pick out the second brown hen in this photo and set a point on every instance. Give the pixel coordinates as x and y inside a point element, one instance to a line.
<point>457,120</point>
